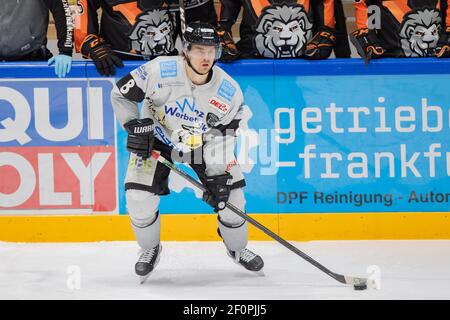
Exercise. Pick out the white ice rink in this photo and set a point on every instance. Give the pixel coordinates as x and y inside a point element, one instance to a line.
<point>202,270</point>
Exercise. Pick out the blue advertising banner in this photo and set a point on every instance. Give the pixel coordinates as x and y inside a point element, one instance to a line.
<point>316,137</point>
<point>353,144</point>
<point>341,143</point>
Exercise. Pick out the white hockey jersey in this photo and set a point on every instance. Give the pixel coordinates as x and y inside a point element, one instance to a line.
<point>183,113</point>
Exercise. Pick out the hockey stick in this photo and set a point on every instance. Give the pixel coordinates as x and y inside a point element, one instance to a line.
<point>358,283</point>
<point>145,57</point>
<point>182,17</point>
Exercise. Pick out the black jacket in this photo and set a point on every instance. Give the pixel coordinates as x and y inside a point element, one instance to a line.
<point>406,28</point>
<point>299,19</point>
<point>125,24</point>
<point>24,25</point>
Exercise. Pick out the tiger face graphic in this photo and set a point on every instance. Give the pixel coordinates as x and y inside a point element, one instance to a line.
<point>152,33</point>
<point>419,32</point>
<point>282,31</point>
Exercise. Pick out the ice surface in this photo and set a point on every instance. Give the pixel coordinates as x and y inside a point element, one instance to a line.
<point>202,270</point>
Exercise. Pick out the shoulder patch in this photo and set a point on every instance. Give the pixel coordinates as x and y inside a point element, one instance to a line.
<point>142,73</point>
<point>168,69</point>
<point>226,90</point>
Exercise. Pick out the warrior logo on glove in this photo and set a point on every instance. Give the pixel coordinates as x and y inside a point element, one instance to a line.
<point>283,31</point>
<point>419,33</point>
<point>152,35</point>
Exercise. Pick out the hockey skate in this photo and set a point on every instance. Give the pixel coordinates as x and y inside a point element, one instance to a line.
<point>248,260</point>
<point>148,260</point>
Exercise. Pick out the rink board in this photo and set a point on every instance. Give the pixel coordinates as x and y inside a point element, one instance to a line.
<point>349,152</point>
<point>202,227</point>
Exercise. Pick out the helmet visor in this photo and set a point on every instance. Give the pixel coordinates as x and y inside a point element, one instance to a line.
<point>200,50</point>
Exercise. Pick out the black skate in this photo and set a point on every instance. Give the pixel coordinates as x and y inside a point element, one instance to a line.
<point>248,260</point>
<point>148,260</point>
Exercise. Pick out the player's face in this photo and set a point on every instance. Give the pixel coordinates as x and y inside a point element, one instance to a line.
<point>202,57</point>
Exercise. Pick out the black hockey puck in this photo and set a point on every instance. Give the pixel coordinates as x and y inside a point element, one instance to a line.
<point>360,286</point>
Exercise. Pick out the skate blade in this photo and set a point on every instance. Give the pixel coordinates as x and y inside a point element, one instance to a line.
<point>142,279</point>
<point>259,273</point>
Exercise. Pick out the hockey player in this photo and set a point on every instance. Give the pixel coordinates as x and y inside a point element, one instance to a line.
<point>400,28</point>
<point>191,109</point>
<point>132,29</point>
<point>277,29</point>
<point>23,29</point>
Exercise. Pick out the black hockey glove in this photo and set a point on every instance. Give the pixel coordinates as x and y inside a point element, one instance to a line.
<point>321,45</point>
<point>229,49</point>
<point>100,52</point>
<point>442,49</point>
<point>140,137</point>
<point>218,190</point>
<point>367,43</point>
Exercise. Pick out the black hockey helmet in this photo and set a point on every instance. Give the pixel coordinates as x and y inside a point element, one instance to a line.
<point>201,33</point>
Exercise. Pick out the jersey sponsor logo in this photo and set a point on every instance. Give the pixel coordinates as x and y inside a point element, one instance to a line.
<point>181,112</point>
<point>168,69</point>
<point>170,111</point>
<point>190,136</point>
<point>162,137</point>
<point>226,90</point>
<point>231,164</point>
<point>142,73</point>
<point>186,102</point>
<point>211,119</point>
<point>219,105</point>
<point>170,84</point>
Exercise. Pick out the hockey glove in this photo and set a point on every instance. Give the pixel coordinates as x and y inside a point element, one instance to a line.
<point>100,52</point>
<point>321,45</point>
<point>229,49</point>
<point>442,49</point>
<point>63,63</point>
<point>367,43</point>
<point>218,190</point>
<point>140,137</point>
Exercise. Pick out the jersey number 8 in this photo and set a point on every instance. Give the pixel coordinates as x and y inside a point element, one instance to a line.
<point>127,86</point>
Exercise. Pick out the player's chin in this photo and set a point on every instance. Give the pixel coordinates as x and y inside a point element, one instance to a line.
<point>205,67</point>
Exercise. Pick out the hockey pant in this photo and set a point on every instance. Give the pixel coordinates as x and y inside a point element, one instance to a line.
<point>145,184</point>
